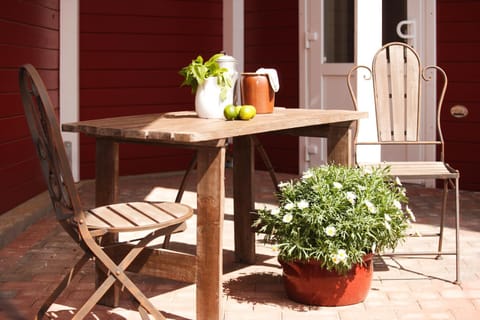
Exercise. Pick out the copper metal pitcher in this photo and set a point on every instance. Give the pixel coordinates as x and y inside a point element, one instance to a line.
<point>257,91</point>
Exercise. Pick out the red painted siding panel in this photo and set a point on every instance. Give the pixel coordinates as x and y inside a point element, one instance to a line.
<point>28,34</point>
<point>458,46</point>
<point>14,152</point>
<point>40,13</point>
<point>271,40</point>
<point>130,55</point>
<point>35,185</point>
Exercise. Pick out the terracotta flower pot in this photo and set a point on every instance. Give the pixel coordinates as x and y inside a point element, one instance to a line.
<point>309,283</point>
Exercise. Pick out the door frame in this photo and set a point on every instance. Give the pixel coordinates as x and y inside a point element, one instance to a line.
<point>69,93</point>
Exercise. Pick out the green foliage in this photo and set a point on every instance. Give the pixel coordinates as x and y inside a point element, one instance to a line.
<point>197,71</point>
<point>336,215</point>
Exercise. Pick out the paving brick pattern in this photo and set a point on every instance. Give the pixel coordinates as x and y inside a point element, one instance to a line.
<point>403,288</point>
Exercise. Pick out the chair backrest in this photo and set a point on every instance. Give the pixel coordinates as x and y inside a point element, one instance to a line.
<point>47,140</point>
<point>396,75</point>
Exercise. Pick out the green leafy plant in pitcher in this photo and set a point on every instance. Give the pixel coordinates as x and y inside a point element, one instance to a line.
<point>199,70</point>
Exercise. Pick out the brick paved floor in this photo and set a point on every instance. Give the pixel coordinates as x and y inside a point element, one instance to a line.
<point>403,288</point>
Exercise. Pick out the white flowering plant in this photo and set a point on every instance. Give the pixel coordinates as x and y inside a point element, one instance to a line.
<point>336,215</point>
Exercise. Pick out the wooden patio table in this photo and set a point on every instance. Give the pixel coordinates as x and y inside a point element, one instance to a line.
<point>209,137</point>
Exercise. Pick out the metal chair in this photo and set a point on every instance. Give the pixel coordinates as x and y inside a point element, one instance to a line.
<point>396,75</point>
<point>88,227</point>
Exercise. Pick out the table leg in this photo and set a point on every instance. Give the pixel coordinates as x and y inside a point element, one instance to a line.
<point>106,172</point>
<point>106,192</point>
<point>210,210</point>
<point>243,198</point>
<point>340,144</point>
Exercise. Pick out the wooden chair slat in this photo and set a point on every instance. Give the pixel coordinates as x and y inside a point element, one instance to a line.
<point>116,220</point>
<point>398,87</point>
<point>94,222</point>
<point>155,211</point>
<point>382,97</point>
<point>173,209</point>
<point>136,216</point>
<point>412,96</point>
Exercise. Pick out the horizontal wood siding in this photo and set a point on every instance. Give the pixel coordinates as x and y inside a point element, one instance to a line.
<point>130,55</point>
<point>458,46</point>
<point>29,33</point>
<point>271,41</point>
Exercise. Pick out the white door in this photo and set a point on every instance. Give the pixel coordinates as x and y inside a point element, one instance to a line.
<point>327,53</point>
<point>327,28</point>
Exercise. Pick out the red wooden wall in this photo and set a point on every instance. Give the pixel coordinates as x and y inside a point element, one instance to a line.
<point>458,45</point>
<point>271,40</point>
<point>130,55</point>
<point>28,34</point>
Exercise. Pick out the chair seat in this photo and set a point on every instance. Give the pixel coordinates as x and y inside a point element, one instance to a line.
<point>417,169</point>
<point>136,216</point>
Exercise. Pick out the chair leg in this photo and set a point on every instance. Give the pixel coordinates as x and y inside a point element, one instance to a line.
<point>190,168</point>
<point>131,287</point>
<point>178,199</point>
<point>62,286</point>
<point>457,231</point>
<point>442,217</point>
<point>94,298</point>
<point>266,160</point>
<point>117,273</point>
<point>143,313</point>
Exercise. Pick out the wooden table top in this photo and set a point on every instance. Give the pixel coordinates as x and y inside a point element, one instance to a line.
<point>186,127</point>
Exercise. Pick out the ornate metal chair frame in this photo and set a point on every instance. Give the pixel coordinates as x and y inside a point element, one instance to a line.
<point>396,75</point>
<point>88,227</point>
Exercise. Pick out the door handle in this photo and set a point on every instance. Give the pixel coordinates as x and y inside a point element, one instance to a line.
<point>411,31</point>
<point>458,111</point>
<point>309,37</point>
